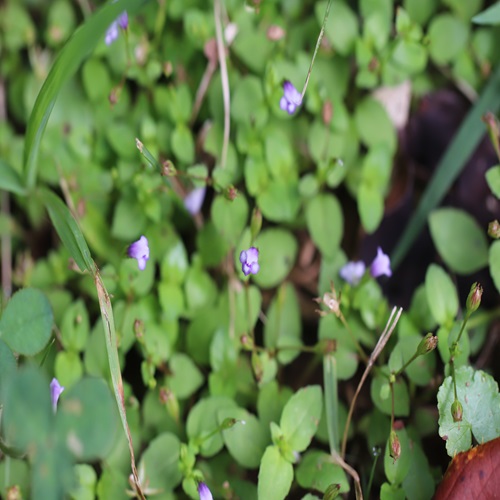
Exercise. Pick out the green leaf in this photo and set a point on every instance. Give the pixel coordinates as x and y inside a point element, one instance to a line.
<point>75,326</point>
<point>317,471</point>
<point>8,365</point>
<point>381,396</point>
<point>370,206</point>
<point>185,378</point>
<point>283,325</point>
<point>203,420</point>
<point>27,410</point>
<point>397,470</point>
<point>10,180</point>
<point>275,475</point>
<point>373,124</point>
<point>86,419</point>
<point>459,240</point>
<point>280,200</point>
<point>421,370</point>
<point>478,394</point>
<point>80,45</point>
<point>341,26</point>
<point>247,439</point>
<point>247,102</point>
<point>301,416</point>
<point>26,323</point>
<point>325,223</point>
<point>68,230</point>
<point>489,16</point>
<point>277,253</point>
<point>441,295</point>
<point>271,401</point>
<point>230,217</point>
<point>183,143</point>
<point>447,38</point>
<point>493,179</point>
<point>68,367</point>
<point>160,462</point>
<point>494,259</point>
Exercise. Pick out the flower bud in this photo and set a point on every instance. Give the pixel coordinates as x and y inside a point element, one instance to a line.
<point>231,193</point>
<point>474,298</point>
<point>394,446</point>
<point>256,223</point>
<point>168,169</point>
<point>257,367</point>
<point>139,329</point>
<point>494,229</point>
<point>247,342</point>
<point>332,492</point>
<point>227,423</point>
<point>167,397</point>
<point>457,411</point>
<point>427,344</point>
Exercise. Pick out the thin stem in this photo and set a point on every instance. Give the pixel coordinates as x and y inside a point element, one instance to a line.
<point>384,337</point>
<point>318,43</point>
<point>361,352</point>
<point>224,79</point>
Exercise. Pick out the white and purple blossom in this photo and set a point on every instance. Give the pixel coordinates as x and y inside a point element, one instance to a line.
<point>56,390</point>
<point>112,32</point>
<point>204,492</point>
<point>381,265</point>
<point>139,250</point>
<point>250,261</point>
<point>291,99</point>
<point>352,272</point>
<point>194,200</point>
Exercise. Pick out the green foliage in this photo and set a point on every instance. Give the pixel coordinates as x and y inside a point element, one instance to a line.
<point>478,393</point>
<point>211,370</point>
<point>26,323</point>
<point>459,240</point>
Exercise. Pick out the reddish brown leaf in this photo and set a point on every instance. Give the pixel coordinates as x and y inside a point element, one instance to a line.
<point>472,474</point>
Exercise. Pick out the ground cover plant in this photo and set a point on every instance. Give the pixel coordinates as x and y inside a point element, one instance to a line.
<point>249,249</point>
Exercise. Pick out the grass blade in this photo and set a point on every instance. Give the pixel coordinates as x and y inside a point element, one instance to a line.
<point>78,47</point>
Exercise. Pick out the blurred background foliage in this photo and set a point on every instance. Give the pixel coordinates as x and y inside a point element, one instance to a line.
<point>390,86</point>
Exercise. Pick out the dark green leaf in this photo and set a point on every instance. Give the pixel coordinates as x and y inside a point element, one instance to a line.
<point>26,323</point>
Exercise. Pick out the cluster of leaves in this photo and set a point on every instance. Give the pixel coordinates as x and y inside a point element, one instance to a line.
<point>209,399</point>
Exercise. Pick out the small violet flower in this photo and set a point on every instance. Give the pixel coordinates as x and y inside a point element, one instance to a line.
<point>139,250</point>
<point>55,391</point>
<point>204,492</point>
<point>352,272</point>
<point>381,265</point>
<point>194,200</point>
<point>291,99</point>
<point>249,261</point>
<point>112,32</point>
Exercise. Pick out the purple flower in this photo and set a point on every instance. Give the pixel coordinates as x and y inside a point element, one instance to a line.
<point>381,264</point>
<point>352,272</point>
<point>204,492</point>
<point>194,200</point>
<point>249,261</point>
<point>291,99</point>
<point>112,32</point>
<point>139,250</point>
<point>55,391</point>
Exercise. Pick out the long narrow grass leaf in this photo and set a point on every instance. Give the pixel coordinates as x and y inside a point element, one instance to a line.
<point>68,230</point>
<point>331,401</point>
<point>79,46</point>
<point>114,368</point>
<point>453,161</point>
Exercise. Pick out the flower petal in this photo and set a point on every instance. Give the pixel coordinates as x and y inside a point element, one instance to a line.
<point>381,265</point>
<point>56,390</point>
